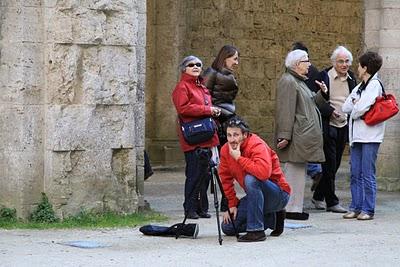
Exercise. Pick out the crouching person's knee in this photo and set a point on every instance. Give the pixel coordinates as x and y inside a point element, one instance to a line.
<point>251,182</point>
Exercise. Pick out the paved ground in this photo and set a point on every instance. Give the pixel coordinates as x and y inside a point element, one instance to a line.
<point>330,241</point>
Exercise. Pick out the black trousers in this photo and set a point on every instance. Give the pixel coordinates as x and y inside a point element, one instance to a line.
<point>196,183</point>
<point>334,143</point>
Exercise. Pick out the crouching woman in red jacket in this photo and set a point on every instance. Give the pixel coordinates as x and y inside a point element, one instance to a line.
<point>192,101</point>
<point>249,161</point>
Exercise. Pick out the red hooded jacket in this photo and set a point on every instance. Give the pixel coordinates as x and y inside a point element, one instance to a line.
<point>257,159</point>
<point>192,101</point>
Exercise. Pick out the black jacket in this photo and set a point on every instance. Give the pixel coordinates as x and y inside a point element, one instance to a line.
<point>326,109</point>
<point>222,85</point>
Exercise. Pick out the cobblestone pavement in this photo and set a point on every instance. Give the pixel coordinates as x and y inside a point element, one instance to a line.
<point>330,241</point>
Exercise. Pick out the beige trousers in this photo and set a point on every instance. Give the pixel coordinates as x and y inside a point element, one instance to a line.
<point>295,174</point>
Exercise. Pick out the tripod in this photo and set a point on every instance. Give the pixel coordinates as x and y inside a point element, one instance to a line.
<point>204,155</point>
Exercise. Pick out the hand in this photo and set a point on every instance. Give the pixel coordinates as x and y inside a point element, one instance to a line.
<point>215,112</point>
<point>225,215</point>
<point>336,114</point>
<point>322,86</point>
<point>235,152</point>
<point>282,143</point>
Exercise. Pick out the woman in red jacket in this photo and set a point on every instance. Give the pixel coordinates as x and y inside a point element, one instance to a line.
<point>192,101</point>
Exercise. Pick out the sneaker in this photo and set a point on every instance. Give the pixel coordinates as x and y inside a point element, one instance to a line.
<point>337,209</point>
<point>252,237</point>
<point>351,215</point>
<point>319,205</point>
<point>364,216</point>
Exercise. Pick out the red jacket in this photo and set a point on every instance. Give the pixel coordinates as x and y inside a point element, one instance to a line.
<point>257,159</point>
<point>192,101</point>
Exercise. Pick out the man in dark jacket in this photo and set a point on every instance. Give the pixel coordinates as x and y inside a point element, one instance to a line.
<point>340,82</point>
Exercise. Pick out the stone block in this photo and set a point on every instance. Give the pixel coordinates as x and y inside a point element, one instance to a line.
<point>391,58</point>
<point>111,5</point>
<point>388,4</point>
<point>372,4</point>
<point>121,28</point>
<point>21,127</point>
<point>372,19</point>
<point>141,30</point>
<point>60,29</point>
<point>108,186</point>
<point>23,180</point>
<point>390,79</point>
<point>372,39</point>
<point>389,38</point>
<point>88,26</point>
<point>90,127</point>
<point>390,18</point>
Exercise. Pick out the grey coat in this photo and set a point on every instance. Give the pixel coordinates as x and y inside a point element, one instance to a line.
<point>298,120</point>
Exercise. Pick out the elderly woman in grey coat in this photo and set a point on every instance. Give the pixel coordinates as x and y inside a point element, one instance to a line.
<point>298,128</point>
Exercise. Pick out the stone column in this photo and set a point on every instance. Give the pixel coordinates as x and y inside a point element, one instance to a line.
<point>72,104</point>
<point>21,104</point>
<point>382,34</point>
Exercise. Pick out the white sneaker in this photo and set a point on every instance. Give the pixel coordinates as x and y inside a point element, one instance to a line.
<point>319,205</point>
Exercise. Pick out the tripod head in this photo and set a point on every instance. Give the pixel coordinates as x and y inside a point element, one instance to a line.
<point>205,156</point>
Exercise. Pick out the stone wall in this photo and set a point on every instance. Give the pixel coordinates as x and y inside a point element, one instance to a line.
<point>262,30</point>
<point>382,34</point>
<point>72,105</point>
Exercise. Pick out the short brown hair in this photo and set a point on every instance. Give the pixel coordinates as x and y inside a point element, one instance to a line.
<point>225,52</point>
<point>372,60</point>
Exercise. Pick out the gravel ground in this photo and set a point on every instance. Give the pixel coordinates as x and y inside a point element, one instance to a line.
<point>330,241</point>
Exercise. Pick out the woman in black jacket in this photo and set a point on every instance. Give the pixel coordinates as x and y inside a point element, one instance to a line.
<point>220,80</point>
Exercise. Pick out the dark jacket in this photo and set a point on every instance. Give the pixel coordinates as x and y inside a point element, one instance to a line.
<point>222,85</point>
<point>326,109</point>
<point>313,74</point>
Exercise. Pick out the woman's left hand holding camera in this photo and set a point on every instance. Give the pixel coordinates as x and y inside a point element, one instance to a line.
<point>215,112</point>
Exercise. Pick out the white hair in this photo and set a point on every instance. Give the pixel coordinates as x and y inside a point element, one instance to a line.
<point>186,60</point>
<point>341,50</point>
<point>293,57</point>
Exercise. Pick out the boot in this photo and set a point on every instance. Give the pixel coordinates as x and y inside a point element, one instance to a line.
<point>280,223</point>
<point>301,216</point>
<point>252,237</point>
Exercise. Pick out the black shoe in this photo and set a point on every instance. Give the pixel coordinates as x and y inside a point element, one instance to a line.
<point>252,237</point>
<point>301,216</point>
<point>192,215</point>
<point>280,223</point>
<point>204,215</point>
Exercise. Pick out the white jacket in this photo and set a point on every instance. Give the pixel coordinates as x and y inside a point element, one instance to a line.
<point>359,131</point>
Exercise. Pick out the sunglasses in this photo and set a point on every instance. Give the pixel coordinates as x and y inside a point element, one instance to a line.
<point>191,65</point>
<point>237,123</point>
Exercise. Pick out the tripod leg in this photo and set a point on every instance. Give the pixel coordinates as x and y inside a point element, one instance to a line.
<point>216,205</point>
<point>224,197</point>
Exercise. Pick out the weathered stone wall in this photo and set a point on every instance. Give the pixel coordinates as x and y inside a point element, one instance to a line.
<point>382,34</point>
<point>262,30</point>
<point>72,104</point>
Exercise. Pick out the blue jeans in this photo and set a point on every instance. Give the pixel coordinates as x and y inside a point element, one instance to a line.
<point>363,179</point>
<point>313,169</point>
<point>256,211</point>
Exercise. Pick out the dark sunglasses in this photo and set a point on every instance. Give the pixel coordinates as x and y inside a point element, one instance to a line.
<point>191,65</point>
<point>237,123</point>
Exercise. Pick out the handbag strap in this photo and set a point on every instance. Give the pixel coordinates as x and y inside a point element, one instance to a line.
<point>206,102</point>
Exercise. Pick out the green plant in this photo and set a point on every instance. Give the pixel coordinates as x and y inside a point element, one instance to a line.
<point>8,215</point>
<point>44,212</point>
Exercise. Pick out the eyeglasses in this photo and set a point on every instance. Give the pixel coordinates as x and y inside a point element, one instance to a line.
<point>341,61</point>
<point>304,61</point>
<point>191,65</point>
